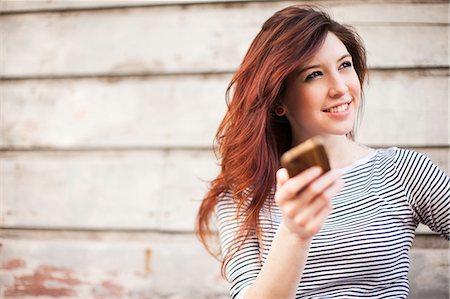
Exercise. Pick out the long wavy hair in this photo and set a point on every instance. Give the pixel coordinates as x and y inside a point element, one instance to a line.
<point>251,137</point>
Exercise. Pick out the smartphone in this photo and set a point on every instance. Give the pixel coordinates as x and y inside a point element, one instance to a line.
<point>307,154</point>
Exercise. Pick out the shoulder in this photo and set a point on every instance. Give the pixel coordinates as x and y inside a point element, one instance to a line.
<point>229,204</point>
<point>225,202</point>
<point>401,156</point>
<point>408,164</point>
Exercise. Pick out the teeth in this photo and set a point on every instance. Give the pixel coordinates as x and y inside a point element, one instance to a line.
<point>340,108</point>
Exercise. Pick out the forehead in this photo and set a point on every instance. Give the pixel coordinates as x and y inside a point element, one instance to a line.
<point>331,49</point>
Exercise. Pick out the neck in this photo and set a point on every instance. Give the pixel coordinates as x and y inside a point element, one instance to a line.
<point>342,151</point>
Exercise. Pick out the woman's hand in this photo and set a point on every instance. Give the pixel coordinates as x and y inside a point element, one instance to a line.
<point>305,200</point>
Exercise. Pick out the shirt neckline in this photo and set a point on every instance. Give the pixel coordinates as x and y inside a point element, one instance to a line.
<point>358,162</point>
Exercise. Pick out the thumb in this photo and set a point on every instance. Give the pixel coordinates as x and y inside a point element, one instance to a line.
<point>282,177</point>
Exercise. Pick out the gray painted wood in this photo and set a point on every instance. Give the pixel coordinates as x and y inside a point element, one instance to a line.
<point>429,275</point>
<point>16,6</point>
<point>156,190</point>
<point>360,11</point>
<point>169,40</point>
<point>177,111</point>
<point>162,124</point>
<point>157,266</point>
<point>161,266</point>
<point>407,108</point>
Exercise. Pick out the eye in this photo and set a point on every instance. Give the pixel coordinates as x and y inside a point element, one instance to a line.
<point>313,75</point>
<point>346,64</point>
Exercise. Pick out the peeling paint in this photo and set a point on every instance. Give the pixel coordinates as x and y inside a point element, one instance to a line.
<point>45,281</point>
<point>114,288</point>
<point>13,264</point>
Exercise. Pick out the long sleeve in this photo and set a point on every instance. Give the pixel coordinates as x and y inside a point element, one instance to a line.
<point>427,189</point>
<point>244,266</point>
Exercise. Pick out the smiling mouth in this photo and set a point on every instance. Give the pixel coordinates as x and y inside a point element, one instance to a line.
<point>337,109</point>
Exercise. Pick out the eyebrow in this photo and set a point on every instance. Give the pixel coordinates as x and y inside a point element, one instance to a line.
<point>318,65</point>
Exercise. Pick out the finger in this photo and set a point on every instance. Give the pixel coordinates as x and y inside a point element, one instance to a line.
<point>317,222</point>
<point>307,213</point>
<point>332,190</point>
<point>318,186</point>
<point>302,210</point>
<point>282,177</point>
<point>291,187</point>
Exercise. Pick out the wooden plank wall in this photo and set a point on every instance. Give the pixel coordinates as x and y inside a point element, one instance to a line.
<point>108,111</point>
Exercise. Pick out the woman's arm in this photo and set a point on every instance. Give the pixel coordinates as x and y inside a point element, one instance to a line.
<point>427,189</point>
<point>305,202</point>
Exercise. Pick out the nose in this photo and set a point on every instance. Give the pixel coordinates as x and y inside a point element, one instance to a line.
<point>337,87</point>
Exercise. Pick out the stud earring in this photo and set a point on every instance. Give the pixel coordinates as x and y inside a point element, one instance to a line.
<point>279,111</point>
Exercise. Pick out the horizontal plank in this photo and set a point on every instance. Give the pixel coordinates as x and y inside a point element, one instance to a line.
<point>391,12</point>
<point>185,111</point>
<point>100,113</point>
<point>429,274</point>
<point>406,110</point>
<point>421,240</point>
<point>152,190</point>
<point>17,6</point>
<point>151,269</point>
<point>132,40</point>
<point>431,12</point>
<point>139,190</point>
<point>109,269</point>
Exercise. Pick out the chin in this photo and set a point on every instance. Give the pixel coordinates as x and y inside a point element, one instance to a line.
<point>341,131</point>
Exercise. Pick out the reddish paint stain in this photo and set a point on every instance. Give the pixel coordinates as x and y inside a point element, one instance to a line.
<point>13,264</point>
<point>113,288</point>
<point>148,256</point>
<point>34,285</point>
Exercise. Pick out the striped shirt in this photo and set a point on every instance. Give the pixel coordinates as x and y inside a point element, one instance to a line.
<point>362,249</point>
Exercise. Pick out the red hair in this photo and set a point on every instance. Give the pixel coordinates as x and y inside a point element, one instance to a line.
<point>251,137</point>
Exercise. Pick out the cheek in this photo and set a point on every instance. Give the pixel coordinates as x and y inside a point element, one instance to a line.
<point>356,85</point>
<point>355,89</point>
<point>293,100</point>
<point>309,96</point>
<point>300,107</point>
<point>306,98</point>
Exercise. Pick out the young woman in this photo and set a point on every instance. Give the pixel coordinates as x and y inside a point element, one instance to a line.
<point>341,234</point>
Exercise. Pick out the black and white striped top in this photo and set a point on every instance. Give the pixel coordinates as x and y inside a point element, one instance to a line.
<point>362,250</point>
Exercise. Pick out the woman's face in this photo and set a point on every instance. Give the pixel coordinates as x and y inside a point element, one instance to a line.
<point>323,97</point>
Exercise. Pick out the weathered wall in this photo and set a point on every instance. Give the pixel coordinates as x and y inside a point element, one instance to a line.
<point>108,111</point>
